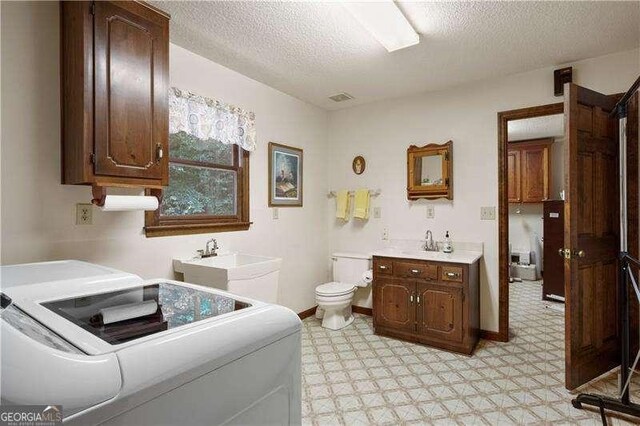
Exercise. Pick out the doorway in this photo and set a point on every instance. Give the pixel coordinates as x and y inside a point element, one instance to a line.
<point>512,165</point>
<point>591,239</point>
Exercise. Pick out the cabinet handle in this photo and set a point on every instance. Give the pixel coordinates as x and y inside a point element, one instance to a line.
<point>411,298</point>
<point>418,299</point>
<point>159,153</point>
<point>415,271</point>
<point>452,274</point>
<point>382,267</point>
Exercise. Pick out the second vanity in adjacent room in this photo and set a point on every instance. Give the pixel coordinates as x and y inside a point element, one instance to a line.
<point>428,297</point>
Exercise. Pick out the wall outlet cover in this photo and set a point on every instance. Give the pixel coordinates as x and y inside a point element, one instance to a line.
<point>431,212</point>
<point>84,214</point>
<point>487,213</point>
<point>275,213</point>
<point>385,234</point>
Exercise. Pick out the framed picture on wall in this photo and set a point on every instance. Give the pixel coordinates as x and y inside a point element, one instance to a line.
<point>285,176</point>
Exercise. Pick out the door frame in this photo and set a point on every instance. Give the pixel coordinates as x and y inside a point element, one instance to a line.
<point>503,209</point>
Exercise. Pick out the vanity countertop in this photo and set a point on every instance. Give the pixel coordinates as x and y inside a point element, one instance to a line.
<point>458,256</point>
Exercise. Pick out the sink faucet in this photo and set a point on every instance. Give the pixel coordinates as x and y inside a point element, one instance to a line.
<point>209,252</point>
<point>429,245</point>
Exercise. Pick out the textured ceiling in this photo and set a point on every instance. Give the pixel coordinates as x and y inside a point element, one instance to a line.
<point>537,127</point>
<point>312,50</point>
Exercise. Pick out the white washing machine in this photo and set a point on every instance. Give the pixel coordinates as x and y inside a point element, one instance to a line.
<point>70,337</point>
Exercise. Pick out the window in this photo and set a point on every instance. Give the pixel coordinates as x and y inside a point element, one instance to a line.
<point>208,188</point>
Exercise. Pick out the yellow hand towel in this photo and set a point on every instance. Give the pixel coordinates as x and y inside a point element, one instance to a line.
<point>361,204</point>
<point>342,204</point>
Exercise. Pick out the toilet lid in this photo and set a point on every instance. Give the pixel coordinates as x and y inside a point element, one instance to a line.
<point>334,289</point>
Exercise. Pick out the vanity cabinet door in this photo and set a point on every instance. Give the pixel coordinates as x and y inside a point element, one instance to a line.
<point>394,303</point>
<point>131,82</point>
<point>513,176</point>
<point>440,311</point>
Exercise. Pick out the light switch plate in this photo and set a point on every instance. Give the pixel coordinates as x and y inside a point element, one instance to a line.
<point>275,213</point>
<point>377,212</point>
<point>84,214</point>
<point>487,213</point>
<point>431,212</point>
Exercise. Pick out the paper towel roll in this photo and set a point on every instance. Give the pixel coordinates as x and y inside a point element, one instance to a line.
<point>367,276</point>
<point>123,203</point>
<point>128,311</point>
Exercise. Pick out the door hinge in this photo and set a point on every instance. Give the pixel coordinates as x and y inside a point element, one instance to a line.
<point>92,158</point>
<point>93,7</point>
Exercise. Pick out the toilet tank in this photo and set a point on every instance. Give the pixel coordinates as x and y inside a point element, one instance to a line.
<point>349,267</point>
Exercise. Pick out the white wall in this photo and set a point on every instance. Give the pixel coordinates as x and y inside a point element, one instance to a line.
<point>382,131</point>
<point>38,213</point>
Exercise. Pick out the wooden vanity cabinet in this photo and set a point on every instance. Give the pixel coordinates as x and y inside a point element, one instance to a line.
<point>433,303</point>
<point>114,87</point>
<point>529,171</point>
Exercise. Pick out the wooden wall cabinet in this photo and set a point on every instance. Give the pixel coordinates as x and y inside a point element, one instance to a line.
<point>529,171</point>
<point>434,303</point>
<point>430,171</point>
<point>114,86</point>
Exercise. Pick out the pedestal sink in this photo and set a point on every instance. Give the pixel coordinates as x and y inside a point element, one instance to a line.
<point>246,275</point>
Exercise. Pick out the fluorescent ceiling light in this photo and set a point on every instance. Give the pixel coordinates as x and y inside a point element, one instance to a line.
<point>385,22</point>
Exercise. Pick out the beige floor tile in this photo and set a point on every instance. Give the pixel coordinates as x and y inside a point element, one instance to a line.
<point>354,377</point>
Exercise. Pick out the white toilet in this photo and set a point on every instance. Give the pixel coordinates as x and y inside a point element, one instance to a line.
<point>334,298</point>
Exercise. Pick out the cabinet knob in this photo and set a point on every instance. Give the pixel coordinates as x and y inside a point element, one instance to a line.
<point>452,274</point>
<point>415,271</point>
<point>382,267</point>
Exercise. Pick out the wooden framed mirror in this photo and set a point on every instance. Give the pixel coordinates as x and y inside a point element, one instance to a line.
<point>430,171</point>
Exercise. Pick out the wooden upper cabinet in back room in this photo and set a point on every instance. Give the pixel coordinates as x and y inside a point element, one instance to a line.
<point>529,171</point>
<point>115,80</point>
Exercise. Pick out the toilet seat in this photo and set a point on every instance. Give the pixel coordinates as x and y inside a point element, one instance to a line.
<point>334,289</point>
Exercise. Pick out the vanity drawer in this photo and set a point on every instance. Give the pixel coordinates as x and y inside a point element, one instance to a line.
<point>416,270</point>
<point>383,266</point>
<point>452,273</point>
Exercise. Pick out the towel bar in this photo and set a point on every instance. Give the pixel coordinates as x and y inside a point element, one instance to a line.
<point>373,193</point>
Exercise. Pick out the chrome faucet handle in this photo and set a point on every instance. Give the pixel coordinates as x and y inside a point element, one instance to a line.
<point>200,253</point>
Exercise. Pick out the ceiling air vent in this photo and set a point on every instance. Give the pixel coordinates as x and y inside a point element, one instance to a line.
<point>341,97</point>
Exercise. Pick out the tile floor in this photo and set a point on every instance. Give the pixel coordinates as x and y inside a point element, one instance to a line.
<point>353,377</point>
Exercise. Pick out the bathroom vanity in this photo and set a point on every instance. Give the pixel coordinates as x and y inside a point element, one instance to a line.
<point>428,297</point>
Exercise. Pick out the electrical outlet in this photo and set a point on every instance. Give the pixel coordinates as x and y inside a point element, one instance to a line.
<point>431,212</point>
<point>377,212</point>
<point>487,213</point>
<point>84,214</point>
<point>275,213</point>
<point>385,234</point>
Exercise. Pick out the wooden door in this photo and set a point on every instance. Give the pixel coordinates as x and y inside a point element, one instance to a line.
<point>131,82</point>
<point>591,226</point>
<point>394,303</point>
<point>535,174</point>
<point>513,176</point>
<point>440,308</point>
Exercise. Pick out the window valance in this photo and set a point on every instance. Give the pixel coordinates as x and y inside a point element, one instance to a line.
<point>207,118</point>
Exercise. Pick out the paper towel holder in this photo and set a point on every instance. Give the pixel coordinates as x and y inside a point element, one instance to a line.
<point>100,194</point>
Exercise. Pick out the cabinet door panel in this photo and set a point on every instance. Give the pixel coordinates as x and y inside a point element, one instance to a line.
<point>394,303</point>
<point>535,174</point>
<point>513,176</point>
<point>130,94</point>
<point>440,311</point>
